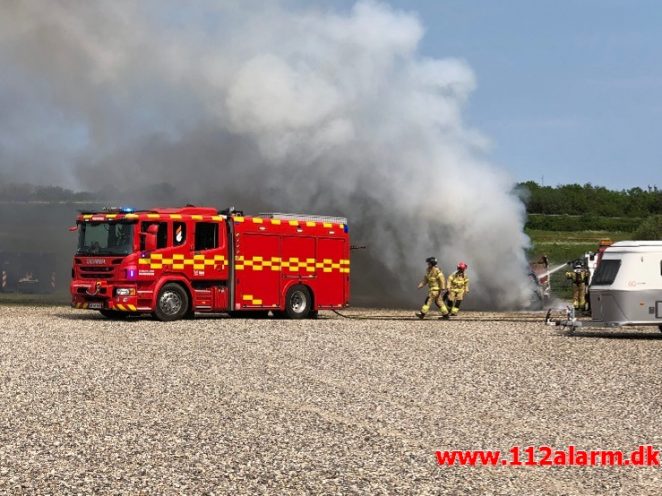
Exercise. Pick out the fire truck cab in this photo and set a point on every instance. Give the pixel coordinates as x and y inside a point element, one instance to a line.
<point>175,262</point>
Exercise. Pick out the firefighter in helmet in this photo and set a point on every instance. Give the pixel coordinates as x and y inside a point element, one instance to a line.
<point>436,283</point>
<point>458,287</point>
<point>579,278</point>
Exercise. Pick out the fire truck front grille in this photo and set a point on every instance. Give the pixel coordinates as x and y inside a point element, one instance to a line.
<point>84,291</point>
<point>96,272</point>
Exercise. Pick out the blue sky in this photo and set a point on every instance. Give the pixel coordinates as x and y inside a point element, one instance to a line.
<point>567,90</point>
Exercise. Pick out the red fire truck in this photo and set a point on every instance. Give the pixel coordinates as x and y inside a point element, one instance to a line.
<point>174,262</point>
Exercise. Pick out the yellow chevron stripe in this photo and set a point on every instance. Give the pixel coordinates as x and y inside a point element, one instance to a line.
<point>257,263</point>
<point>253,300</point>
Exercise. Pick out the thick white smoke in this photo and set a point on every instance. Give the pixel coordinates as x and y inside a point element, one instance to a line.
<point>266,106</point>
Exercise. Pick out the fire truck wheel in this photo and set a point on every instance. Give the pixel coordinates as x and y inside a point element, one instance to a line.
<point>114,314</point>
<point>172,302</point>
<point>298,302</point>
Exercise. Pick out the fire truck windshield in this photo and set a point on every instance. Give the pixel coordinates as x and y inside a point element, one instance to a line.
<point>105,238</point>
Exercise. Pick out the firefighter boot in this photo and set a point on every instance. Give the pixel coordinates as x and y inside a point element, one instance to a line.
<point>420,315</point>
<point>456,307</point>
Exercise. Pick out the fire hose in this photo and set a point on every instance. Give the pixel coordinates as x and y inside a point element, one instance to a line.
<point>413,318</point>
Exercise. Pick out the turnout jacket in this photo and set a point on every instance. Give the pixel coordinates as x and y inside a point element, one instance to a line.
<point>458,282</point>
<point>434,279</point>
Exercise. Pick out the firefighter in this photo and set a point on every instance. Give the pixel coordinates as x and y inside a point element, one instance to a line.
<point>579,278</point>
<point>436,283</point>
<point>458,287</point>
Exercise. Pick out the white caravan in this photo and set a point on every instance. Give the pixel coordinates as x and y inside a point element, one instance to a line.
<point>626,288</point>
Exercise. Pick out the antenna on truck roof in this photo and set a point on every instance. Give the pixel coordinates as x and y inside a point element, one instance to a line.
<point>231,211</point>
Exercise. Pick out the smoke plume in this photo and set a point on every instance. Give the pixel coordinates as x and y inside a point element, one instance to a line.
<point>266,106</point>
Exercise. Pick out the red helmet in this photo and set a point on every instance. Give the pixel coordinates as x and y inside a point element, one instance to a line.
<point>462,266</point>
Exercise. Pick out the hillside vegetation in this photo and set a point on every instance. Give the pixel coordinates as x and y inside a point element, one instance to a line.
<point>572,215</point>
<point>566,221</point>
<point>596,201</point>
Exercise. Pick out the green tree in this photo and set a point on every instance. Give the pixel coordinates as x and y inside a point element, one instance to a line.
<point>650,228</point>
<point>587,199</point>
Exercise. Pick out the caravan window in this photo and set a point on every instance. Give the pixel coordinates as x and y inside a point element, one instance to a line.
<point>606,272</point>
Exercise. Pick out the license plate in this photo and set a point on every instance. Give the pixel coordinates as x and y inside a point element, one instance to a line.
<point>95,306</point>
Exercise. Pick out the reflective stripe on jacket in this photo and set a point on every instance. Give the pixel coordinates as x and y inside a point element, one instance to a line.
<point>458,281</point>
<point>577,277</point>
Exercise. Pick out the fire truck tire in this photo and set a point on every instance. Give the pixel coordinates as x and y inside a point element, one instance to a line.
<point>298,302</point>
<point>172,302</point>
<point>114,314</point>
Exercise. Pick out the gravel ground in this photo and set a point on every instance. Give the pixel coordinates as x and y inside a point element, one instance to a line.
<point>332,406</point>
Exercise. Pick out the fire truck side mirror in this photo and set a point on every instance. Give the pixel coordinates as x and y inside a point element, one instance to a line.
<point>73,228</point>
<point>150,242</point>
<point>150,237</point>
